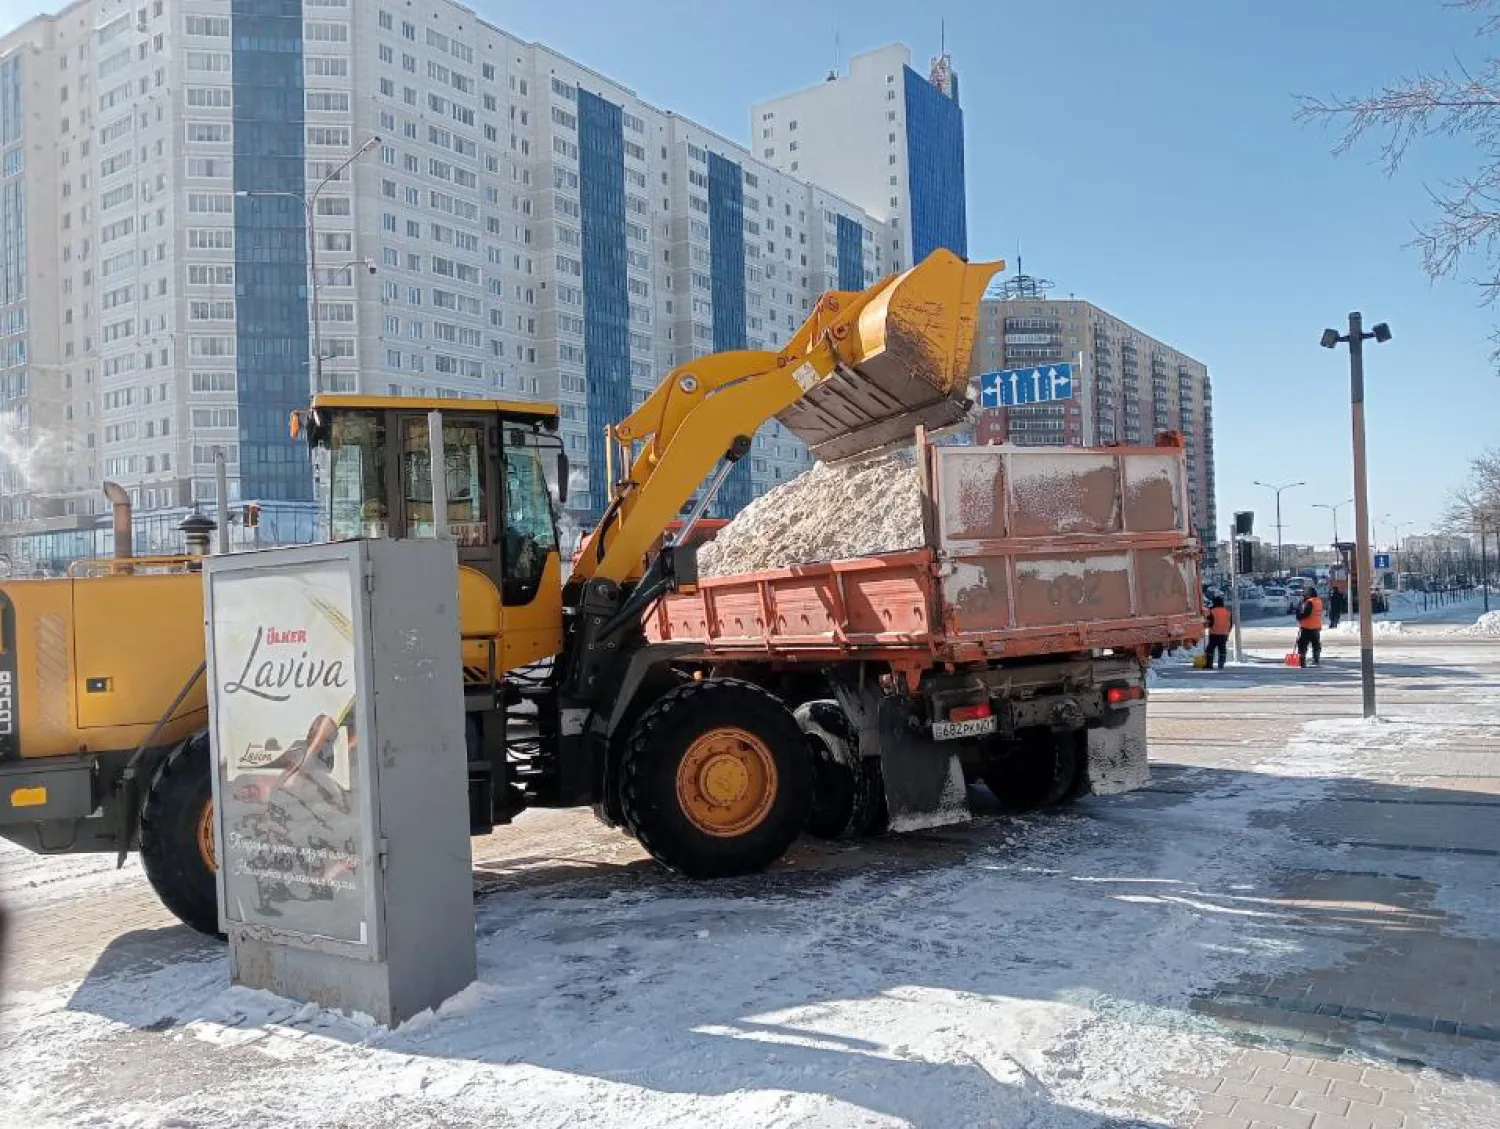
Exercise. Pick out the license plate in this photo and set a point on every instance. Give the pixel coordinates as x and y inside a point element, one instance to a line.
<point>951,730</point>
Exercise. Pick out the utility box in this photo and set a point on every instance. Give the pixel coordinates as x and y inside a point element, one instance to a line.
<point>340,773</point>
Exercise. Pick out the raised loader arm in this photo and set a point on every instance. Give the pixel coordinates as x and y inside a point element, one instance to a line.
<point>863,372</point>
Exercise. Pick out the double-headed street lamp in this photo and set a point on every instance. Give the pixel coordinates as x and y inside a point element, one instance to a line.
<point>309,202</point>
<point>1355,339</point>
<point>1280,563</point>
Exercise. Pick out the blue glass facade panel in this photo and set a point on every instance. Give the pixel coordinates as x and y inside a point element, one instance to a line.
<point>270,248</point>
<point>726,226</point>
<point>935,169</point>
<point>606,301</point>
<point>851,254</point>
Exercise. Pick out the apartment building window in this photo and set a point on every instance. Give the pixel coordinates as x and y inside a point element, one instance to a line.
<point>325,31</point>
<point>328,135</point>
<point>215,62</point>
<point>216,27</point>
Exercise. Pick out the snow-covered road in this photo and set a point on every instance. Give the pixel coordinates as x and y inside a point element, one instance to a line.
<point>1120,963</point>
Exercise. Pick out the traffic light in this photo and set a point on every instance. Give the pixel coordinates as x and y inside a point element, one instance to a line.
<point>1244,557</point>
<point>251,515</point>
<point>1244,523</point>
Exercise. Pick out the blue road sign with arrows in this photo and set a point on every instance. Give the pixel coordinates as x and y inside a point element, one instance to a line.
<point>1040,385</point>
<point>1382,560</point>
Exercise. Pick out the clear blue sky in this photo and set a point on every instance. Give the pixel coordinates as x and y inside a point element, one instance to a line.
<point>1144,156</point>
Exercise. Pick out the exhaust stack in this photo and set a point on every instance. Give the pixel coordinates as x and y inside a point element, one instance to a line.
<point>119,498</point>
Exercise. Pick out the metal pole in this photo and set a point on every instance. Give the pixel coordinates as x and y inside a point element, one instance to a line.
<point>221,491</point>
<point>1484,567</point>
<point>439,473</point>
<point>1234,594</point>
<point>317,312</point>
<point>1363,559</point>
<point>1280,558</point>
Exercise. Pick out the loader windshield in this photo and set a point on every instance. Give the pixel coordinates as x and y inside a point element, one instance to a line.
<point>357,506</point>
<point>530,533</point>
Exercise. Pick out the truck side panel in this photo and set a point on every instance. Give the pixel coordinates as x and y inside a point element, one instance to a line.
<point>1037,553</point>
<point>1094,543</point>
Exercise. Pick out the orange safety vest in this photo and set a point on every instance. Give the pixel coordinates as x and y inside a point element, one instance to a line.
<point>1219,621</point>
<point>1313,620</point>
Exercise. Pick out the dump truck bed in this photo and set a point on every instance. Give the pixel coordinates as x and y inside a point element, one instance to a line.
<point>1028,551</point>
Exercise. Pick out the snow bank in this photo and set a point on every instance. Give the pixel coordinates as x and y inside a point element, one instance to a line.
<point>1350,626</point>
<point>1180,659</point>
<point>829,512</point>
<point>1487,625</point>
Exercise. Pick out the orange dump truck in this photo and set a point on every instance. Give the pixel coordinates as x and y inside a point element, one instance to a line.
<point>1009,646</point>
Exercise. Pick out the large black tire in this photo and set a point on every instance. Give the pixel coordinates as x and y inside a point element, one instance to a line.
<point>848,793</point>
<point>679,732</point>
<point>179,798</point>
<point>1040,769</point>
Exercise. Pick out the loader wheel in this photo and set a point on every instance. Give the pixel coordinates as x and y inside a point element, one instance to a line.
<point>848,796</point>
<point>177,837</point>
<point>715,779</point>
<point>1039,769</point>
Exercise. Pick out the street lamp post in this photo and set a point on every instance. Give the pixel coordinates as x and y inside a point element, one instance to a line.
<point>1396,527</point>
<point>1355,339</point>
<point>309,204</point>
<point>1280,563</point>
<point>1334,510</point>
<point>1484,566</point>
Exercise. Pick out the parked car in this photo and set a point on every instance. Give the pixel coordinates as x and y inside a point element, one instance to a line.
<point>1273,598</point>
<point>1297,589</point>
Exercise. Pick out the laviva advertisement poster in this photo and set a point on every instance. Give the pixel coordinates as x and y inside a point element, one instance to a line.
<point>293,850</point>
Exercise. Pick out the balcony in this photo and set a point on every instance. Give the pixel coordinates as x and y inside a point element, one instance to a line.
<point>1033,352</point>
<point>1051,325</point>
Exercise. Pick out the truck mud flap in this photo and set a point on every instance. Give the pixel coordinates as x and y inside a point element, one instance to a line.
<point>1117,754</point>
<point>924,781</point>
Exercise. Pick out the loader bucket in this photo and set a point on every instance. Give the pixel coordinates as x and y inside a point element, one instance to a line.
<point>903,351</point>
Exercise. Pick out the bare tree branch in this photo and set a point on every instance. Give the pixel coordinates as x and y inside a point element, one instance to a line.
<point>1459,102</point>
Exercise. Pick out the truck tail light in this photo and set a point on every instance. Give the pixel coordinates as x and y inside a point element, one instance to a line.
<point>969,713</point>
<point>1116,695</point>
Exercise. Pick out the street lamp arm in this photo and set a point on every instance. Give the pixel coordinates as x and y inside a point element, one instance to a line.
<point>335,173</point>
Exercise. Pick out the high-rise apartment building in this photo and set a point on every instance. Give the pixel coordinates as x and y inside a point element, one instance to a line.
<point>885,137</point>
<point>1127,387</point>
<point>515,226</point>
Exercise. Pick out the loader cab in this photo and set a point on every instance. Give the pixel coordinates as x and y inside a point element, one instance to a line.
<point>498,455</point>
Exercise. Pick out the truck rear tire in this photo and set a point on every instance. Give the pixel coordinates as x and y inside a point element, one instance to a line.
<point>715,779</point>
<point>177,836</point>
<point>1039,770</point>
<point>848,794</point>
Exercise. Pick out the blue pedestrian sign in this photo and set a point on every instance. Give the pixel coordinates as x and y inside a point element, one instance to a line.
<point>1040,385</point>
<point>1382,560</point>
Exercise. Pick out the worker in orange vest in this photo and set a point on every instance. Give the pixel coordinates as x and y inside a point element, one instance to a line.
<point>1310,628</point>
<point>1219,623</point>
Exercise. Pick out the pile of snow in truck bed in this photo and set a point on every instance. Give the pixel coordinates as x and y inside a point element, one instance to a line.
<point>829,512</point>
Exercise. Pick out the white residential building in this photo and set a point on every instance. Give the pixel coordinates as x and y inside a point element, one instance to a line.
<point>886,138</point>
<point>519,227</point>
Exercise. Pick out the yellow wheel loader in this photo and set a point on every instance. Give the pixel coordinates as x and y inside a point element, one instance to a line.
<point>102,700</point>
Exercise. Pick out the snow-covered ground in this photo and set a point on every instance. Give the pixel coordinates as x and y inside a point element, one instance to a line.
<point>1042,974</point>
<point>1037,972</point>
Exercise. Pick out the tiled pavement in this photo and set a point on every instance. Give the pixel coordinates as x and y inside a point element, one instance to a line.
<point>1403,1030</point>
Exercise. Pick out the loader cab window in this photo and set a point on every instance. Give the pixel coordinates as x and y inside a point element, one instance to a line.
<point>357,505</point>
<point>529,532</point>
<point>467,481</point>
